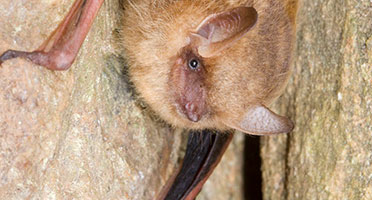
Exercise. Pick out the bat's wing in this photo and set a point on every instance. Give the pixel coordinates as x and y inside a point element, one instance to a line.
<point>204,151</point>
<point>58,52</point>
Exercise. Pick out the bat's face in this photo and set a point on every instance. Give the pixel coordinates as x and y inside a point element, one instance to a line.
<point>187,85</point>
<point>201,72</point>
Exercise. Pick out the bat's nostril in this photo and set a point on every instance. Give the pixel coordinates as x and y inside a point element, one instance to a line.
<point>191,112</point>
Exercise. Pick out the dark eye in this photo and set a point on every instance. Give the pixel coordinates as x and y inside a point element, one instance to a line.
<point>194,63</point>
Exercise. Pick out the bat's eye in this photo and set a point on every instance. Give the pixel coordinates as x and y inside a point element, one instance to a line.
<point>194,63</point>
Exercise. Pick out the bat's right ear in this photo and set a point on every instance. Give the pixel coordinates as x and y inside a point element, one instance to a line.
<point>260,120</point>
<point>219,31</point>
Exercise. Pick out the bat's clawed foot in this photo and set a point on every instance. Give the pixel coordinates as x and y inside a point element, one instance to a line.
<point>10,54</point>
<point>51,60</point>
<point>59,51</point>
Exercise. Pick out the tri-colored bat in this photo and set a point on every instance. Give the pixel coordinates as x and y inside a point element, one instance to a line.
<point>207,66</point>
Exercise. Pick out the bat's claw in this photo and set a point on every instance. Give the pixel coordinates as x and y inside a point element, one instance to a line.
<point>10,54</point>
<point>37,57</point>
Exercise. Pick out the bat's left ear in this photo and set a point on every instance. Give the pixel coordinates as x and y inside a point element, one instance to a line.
<point>219,31</point>
<point>260,120</point>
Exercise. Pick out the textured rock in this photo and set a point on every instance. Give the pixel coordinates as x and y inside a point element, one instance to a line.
<point>80,134</point>
<point>328,155</point>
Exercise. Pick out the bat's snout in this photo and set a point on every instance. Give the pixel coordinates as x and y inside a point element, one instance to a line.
<point>192,112</point>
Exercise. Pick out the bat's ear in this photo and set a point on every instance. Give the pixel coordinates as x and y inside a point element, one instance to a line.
<point>219,31</point>
<point>260,120</point>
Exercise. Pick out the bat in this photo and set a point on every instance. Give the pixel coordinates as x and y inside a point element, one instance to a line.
<point>211,65</point>
<point>206,66</point>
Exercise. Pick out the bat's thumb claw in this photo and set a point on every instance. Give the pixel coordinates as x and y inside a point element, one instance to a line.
<point>10,54</point>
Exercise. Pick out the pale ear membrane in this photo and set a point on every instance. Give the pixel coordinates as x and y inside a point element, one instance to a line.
<point>219,31</point>
<point>259,120</point>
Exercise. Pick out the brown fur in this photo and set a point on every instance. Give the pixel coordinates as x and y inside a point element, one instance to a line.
<point>252,71</point>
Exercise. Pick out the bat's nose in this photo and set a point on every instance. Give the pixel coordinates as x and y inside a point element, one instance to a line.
<point>192,112</point>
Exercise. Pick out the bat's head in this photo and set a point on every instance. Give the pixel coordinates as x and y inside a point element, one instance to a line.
<point>199,71</point>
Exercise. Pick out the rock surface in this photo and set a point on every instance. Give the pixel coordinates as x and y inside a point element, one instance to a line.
<point>329,153</point>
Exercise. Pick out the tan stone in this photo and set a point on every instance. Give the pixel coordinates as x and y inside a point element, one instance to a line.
<point>328,155</point>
